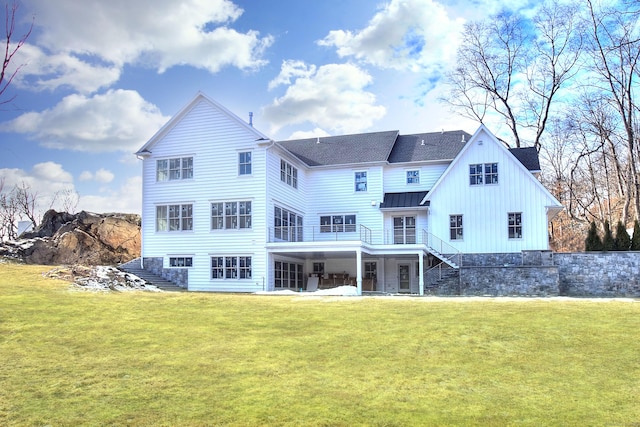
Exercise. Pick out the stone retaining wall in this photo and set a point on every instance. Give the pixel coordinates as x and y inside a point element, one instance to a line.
<point>179,276</point>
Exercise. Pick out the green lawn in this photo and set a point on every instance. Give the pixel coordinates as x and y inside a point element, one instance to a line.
<point>72,358</point>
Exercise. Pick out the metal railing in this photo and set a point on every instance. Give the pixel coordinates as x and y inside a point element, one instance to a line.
<point>442,249</point>
<point>322,233</point>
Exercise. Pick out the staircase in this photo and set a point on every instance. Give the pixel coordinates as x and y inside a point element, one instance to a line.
<point>133,267</point>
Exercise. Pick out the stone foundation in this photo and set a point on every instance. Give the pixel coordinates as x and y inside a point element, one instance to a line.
<point>179,276</point>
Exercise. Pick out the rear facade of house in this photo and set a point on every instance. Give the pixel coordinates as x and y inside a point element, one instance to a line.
<point>225,208</point>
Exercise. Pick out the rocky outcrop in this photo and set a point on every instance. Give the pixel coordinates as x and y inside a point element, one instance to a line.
<point>84,238</point>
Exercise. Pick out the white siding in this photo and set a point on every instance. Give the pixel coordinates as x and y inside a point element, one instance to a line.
<point>485,207</point>
<point>214,140</point>
<point>395,177</point>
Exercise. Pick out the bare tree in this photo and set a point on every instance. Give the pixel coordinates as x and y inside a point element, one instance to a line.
<point>67,199</point>
<point>8,214</point>
<point>515,68</point>
<point>11,47</point>
<point>27,202</point>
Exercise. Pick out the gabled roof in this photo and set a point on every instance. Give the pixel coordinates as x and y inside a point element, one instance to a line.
<point>344,149</point>
<point>410,199</point>
<point>528,156</point>
<point>146,148</point>
<point>428,146</point>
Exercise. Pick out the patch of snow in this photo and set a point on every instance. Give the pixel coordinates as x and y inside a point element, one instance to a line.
<point>101,278</point>
<point>340,291</point>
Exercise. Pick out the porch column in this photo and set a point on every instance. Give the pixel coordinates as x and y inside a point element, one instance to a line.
<point>421,275</point>
<point>359,270</point>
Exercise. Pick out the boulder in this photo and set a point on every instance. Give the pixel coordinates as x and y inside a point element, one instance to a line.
<point>84,238</point>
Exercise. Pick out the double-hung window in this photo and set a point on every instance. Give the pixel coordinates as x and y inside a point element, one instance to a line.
<point>244,163</point>
<point>287,225</point>
<point>174,217</point>
<point>361,181</point>
<point>514,220</point>
<point>483,173</point>
<point>230,215</point>
<point>288,174</point>
<point>230,267</point>
<point>174,169</point>
<point>455,227</point>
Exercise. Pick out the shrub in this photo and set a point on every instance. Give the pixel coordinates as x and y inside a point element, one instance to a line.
<point>593,241</point>
<point>622,241</point>
<point>635,240</point>
<point>608,243</point>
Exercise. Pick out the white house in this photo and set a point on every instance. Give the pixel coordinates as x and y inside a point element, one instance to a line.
<point>230,209</point>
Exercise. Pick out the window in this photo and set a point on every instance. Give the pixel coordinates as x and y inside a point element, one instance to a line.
<point>287,225</point>
<point>413,177</point>
<point>455,227</point>
<point>288,174</point>
<point>174,169</point>
<point>338,224</point>
<point>174,218</point>
<point>361,181</point>
<point>318,268</point>
<point>230,215</point>
<point>231,267</point>
<point>370,270</point>
<point>244,163</point>
<point>404,230</point>
<point>515,225</point>
<point>486,173</point>
<point>287,275</point>
<point>180,262</point>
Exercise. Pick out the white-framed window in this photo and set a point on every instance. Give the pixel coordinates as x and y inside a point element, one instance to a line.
<point>413,177</point>
<point>180,261</point>
<point>514,220</point>
<point>455,227</point>
<point>244,163</point>
<point>230,215</point>
<point>174,217</point>
<point>288,174</point>
<point>287,225</point>
<point>287,275</point>
<point>404,230</point>
<point>337,223</point>
<point>361,181</point>
<point>483,173</point>
<point>230,267</point>
<point>174,169</point>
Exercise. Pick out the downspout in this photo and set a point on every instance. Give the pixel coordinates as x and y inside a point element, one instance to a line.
<point>267,263</point>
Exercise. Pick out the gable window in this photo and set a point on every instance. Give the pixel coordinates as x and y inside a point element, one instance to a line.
<point>455,227</point>
<point>486,173</point>
<point>180,261</point>
<point>515,225</point>
<point>174,169</point>
<point>288,174</point>
<point>413,177</point>
<point>287,225</point>
<point>231,267</point>
<point>244,163</point>
<point>230,215</point>
<point>338,224</point>
<point>174,217</point>
<point>361,181</point>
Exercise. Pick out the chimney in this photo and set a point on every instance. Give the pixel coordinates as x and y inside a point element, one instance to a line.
<point>250,118</point>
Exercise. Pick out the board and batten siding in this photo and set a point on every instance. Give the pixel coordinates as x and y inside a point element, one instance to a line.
<point>214,140</point>
<point>485,207</point>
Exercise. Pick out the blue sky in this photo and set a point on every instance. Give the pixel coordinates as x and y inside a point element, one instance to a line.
<point>100,78</point>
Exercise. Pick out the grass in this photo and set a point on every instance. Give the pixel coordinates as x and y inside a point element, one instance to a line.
<point>161,359</point>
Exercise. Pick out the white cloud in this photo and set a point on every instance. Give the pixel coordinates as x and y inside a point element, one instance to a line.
<point>332,96</point>
<point>125,199</point>
<point>317,132</point>
<point>85,176</point>
<point>415,35</point>
<point>104,176</point>
<point>158,34</point>
<point>42,71</point>
<point>119,120</point>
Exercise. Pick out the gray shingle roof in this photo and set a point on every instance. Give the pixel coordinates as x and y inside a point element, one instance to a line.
<point>428,146</point>
<point>343,149</point>
<point>528,156</point>
<point>410,199</point>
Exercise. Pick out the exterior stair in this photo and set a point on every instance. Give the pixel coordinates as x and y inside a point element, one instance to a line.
<point>133,267</point>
